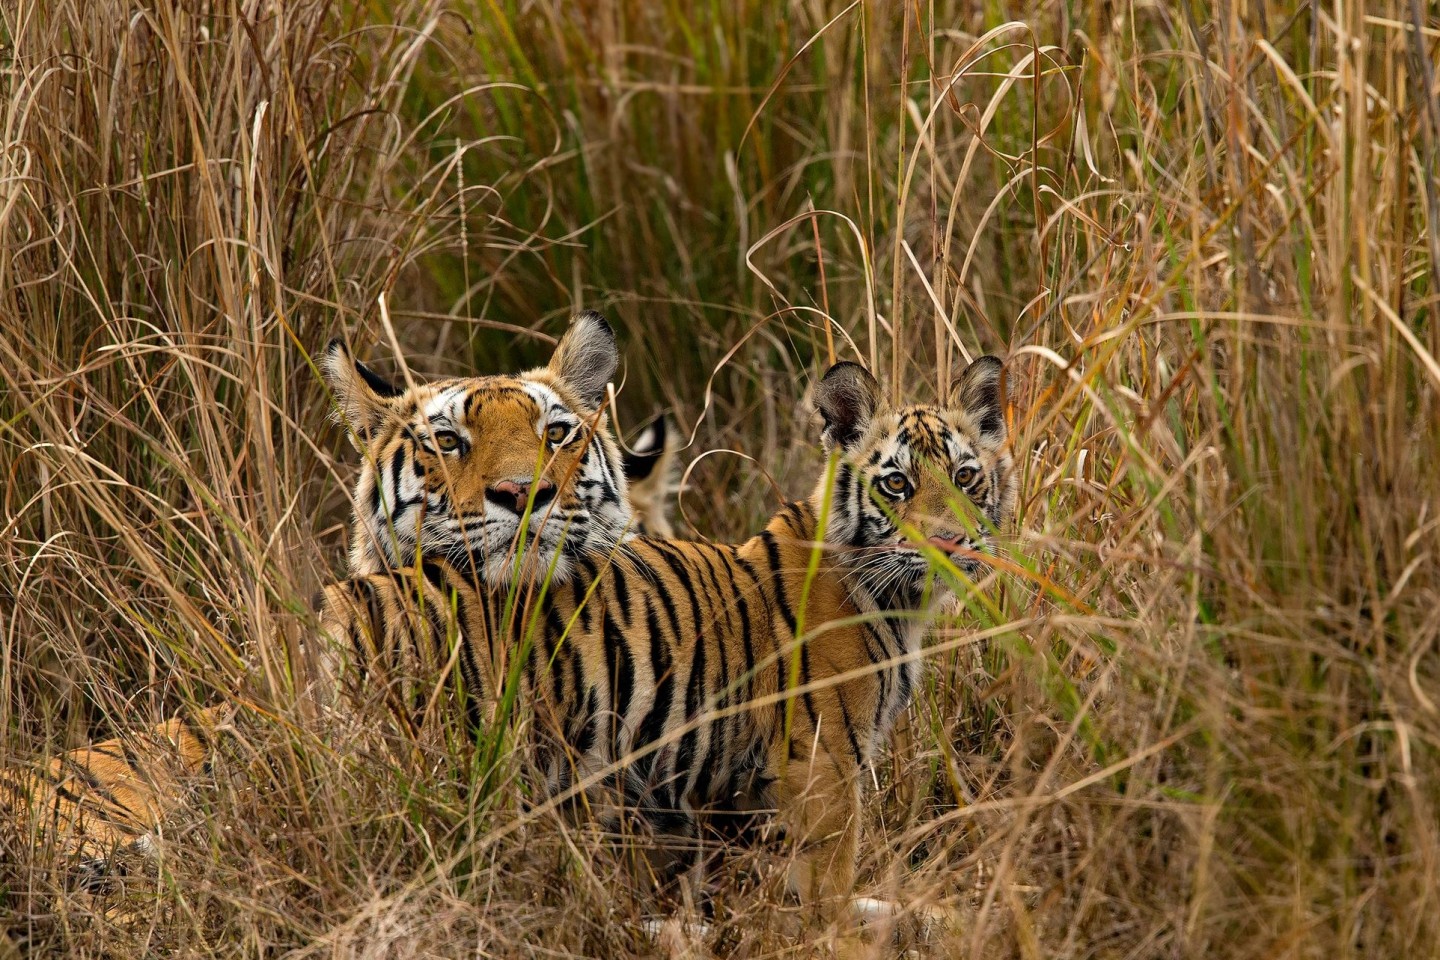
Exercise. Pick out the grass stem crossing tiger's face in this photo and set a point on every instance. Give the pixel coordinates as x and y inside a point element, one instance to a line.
<point>485,471</point>
<point>914,483</point>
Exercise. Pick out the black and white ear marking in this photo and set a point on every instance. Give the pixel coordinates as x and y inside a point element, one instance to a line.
<point>361,395</point>
<point>846,398</point>
<point>977,392</point>
<point>647,449</point>
<point>586,357</point>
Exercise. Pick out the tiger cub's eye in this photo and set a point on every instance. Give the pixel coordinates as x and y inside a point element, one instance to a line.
<point>557,433</point>
<point>965,476</point>
<point>895,483</point>
<point>447,440</point>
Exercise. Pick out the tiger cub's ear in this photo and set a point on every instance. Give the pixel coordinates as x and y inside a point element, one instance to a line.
<point>648,448</point>
<point>586,357</point>
<point>847,398</point>
<point>651,469</point>
<point>362,396</point>
<point>977,392</point>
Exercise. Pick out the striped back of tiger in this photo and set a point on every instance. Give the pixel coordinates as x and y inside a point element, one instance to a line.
<point>638,644</point>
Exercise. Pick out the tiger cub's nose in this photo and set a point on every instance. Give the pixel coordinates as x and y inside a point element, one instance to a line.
<point>948,542</point>
<point>514,495</point>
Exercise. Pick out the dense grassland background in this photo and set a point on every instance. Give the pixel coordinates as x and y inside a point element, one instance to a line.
<point>1197,718</point>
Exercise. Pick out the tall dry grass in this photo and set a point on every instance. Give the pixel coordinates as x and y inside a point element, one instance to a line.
<point>1199,717</point>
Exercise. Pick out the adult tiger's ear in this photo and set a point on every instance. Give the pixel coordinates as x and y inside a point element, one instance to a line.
<point>586,357</point>
<point>977,392</point>
<point>362,397</point>
<point>847,398</point>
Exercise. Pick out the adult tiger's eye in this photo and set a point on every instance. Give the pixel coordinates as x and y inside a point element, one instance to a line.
<point>447,441</point>
<point>557,433</point>
<point>895,483</point>
<point>965,476</point>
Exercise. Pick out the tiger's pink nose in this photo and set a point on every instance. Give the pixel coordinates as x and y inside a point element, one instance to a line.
<point>514,495</point>
<point>947,543</point>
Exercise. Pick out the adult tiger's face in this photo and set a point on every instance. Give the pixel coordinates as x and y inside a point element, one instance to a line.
<point>914,478</point>
<point>456,466</point>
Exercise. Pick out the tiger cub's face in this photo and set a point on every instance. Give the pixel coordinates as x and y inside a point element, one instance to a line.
<point>913,478</point>
<point>477,468</point>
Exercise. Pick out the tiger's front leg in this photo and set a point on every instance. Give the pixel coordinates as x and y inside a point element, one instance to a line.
<point>818,802</point>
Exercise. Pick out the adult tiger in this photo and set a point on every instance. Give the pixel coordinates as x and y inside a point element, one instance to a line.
<point>669,676</point>
<point>538,457</point>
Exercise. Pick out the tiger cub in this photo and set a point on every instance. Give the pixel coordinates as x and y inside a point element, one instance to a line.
<point>670,677</point>
<point>556,498</point>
